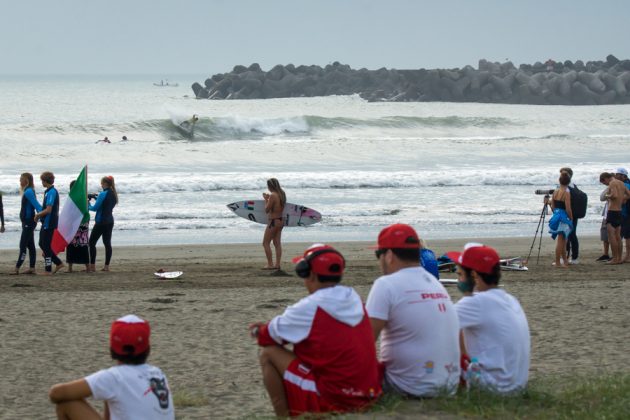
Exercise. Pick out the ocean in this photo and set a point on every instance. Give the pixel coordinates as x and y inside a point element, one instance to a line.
<point>451,170</point>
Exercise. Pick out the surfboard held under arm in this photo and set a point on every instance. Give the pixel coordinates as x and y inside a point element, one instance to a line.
<point>293,214</point>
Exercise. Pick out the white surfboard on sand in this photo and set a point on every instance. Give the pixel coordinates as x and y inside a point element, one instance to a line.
<point>168,274</point>
<point>293,215</point>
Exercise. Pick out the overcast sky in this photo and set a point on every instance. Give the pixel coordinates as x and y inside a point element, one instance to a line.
<point>211,36</point>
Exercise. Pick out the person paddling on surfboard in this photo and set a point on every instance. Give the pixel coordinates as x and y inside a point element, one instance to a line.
<point>274,206</point>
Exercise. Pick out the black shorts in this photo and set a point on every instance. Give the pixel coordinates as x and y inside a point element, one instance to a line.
<point>613,218</point>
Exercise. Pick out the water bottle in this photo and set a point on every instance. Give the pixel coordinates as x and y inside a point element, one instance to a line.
<point>473,374</point>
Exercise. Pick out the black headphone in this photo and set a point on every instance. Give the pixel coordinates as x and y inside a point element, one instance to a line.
<point>303,268</point>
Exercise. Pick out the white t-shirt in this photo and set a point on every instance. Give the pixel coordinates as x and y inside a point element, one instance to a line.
<point>497,334</point>
<point>133,392</point>
<point>420,340</point>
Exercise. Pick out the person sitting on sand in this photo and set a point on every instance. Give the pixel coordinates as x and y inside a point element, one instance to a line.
<point>132,389</point>
<point>561,223</point>
<point>415,316</point>
<point>617,195</point>
<point>494,327</point>
<point>333,364</point>
<point>49,217</point>
<point>274,206</point>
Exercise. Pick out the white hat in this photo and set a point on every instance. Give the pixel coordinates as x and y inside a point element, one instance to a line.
<point>621,171</point>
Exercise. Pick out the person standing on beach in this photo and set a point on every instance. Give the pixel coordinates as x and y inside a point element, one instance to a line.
<point>132,389</point>
<point>29,207</point>
<point>333,366</point>
<point>622,175</point>
<point>495,330</point>
<point>573,245</point>
<point>617,196</point>
<point>415,317</point>
<point>77,251</point>
<point>1,214</point>
<point>49,217</point>
<point>104,221</point>
<point>561,223</point>
<point>274,206</point>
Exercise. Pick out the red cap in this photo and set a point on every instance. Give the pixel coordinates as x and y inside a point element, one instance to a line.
<point>477,257</point>
<point>400,236</point>
<point>323,260</point>
<point>130,330</point>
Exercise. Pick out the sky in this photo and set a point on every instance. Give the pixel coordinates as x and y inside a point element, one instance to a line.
<point>212,36</point>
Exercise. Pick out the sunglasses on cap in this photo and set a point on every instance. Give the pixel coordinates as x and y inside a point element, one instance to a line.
<point>380,252</point>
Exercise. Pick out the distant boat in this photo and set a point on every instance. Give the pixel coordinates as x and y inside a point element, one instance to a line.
<point>167,83</point>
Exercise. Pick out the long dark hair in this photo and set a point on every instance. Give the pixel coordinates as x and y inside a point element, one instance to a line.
<point>109,180</point>
<point>274,186</point>
<point>29,179</point>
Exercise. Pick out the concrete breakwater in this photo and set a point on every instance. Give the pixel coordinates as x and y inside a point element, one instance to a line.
<point>550,83</point>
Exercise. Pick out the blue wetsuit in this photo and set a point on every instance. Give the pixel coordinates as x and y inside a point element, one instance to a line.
<point>49,224</point>
<point>104,224</point>
<point>27,240</point>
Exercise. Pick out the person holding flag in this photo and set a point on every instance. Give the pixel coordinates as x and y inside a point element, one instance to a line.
<point>74,213</point>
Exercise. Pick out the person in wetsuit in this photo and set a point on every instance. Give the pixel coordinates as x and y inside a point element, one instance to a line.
<point>49,217</point>
<point>29,207</point>
<point>274,206</point>
<point>1,215</point>
<point>104,221</point>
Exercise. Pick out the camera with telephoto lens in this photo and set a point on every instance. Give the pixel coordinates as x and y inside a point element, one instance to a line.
<point>92,196</point>
<point>543,192</point>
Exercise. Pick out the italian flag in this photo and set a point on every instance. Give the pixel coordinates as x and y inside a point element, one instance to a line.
<point>74,212</point>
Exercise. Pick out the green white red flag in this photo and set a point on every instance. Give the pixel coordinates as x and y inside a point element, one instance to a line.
<point>74,212</point>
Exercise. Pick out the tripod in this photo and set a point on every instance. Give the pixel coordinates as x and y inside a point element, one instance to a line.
<point>541,228</point>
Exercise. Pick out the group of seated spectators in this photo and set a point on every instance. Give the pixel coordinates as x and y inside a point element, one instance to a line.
<point>428,345</point>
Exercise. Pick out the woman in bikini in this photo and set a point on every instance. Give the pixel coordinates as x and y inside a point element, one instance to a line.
<point>274,206</point>
<point>560,224</point>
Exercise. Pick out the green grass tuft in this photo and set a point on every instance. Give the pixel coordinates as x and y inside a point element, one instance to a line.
<point>184,398</point>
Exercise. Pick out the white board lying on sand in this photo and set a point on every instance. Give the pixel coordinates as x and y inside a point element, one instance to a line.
<point>293,214</point>
<point>168,274</point>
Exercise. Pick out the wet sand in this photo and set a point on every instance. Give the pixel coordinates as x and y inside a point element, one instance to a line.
<point>56,328</point>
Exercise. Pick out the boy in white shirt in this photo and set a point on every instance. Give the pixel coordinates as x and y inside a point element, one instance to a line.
<point>132,389</point>
<point>415,317</point>
<point>494,326</point>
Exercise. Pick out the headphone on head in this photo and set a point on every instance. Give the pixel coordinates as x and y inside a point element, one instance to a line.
<point>303,267</point>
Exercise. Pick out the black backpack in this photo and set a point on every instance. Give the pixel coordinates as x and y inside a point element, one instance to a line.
<point>579,201</point>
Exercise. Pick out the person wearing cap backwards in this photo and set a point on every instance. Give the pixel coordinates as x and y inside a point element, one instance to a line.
<point>622,175</point>
<point>413,311</point>
<point>494,327</point>
<point>333,366</point>
<point>132,389</point>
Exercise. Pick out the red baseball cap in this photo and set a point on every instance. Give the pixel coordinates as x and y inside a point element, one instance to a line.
<point>477,257</point>
<point>323,260</point>
<point>399,236</point>
<point>127,332</point>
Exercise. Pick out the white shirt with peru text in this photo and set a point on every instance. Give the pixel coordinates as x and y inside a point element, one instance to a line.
<point>133,392</point>
<point>497,334</point>
<point>420,340</point>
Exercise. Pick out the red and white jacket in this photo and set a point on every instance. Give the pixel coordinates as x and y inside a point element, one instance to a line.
<point>331,333</point>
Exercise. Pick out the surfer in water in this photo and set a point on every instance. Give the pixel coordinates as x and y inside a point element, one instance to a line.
<point>274,206</point>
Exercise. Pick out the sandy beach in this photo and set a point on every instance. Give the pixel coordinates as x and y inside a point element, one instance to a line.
<point>56,328</point>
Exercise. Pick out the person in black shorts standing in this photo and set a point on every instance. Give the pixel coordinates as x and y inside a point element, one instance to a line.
<point>622,175</point>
